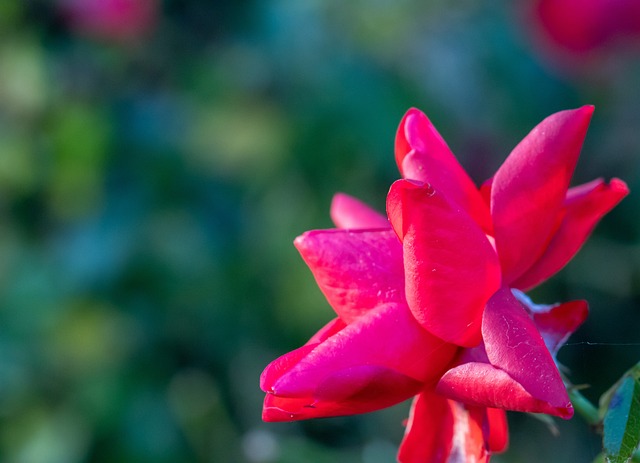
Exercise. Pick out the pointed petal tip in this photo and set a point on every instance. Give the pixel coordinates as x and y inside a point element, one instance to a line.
<point>588,108</point>
<point>530,187</point>
<point>585,112</point>
<point>309,239</point>
<point>301,242</point>
<point>566,412</point>
<point>412,112</point>
<point>619,185</point>
<point>349,212</point>
<point>410,116</point>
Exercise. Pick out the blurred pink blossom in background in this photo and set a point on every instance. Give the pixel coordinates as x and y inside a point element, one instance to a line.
<point>111,20</point>
<point>582,31</point>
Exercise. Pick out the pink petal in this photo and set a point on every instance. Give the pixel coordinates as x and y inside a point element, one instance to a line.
<point>559,322</point>
<point>481,384</point>
<point>584,206</point>
<point>429,433</point>
<point>387,336</point>
<point>281,366</point>
<point>356,270</point>
<point>514,345</point>
<point>370,364</point>
<point>327,331</point>
<point>443,431</point>
<point>423,155</point>
<point>349,212</point>
<point>498,439</point>
<point>451,269</point>
<point>529,189</point>
<point>284,363</point>
<point>278,409</point>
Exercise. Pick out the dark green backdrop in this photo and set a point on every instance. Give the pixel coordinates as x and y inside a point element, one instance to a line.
<point>150,190</point>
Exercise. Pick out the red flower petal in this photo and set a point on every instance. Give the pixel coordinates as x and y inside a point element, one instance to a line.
<point>423,155</point>
<point>584,206</point>
<point>370,364</point>
<point>484,385</point>
<point>356,270</point>
<point>280,366</point>
<point>555,322</point>
<point>441,431</point>
<point>389,388</point>
<point>498,440</point>
<point>514,345</point>
<point>429,433</point>
<point>451,269</point>
<point>529,189</point>
<point>349,212</point>
<point>350,391</point>
<point>327,331</point>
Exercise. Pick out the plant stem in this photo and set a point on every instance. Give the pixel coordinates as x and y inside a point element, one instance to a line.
<point>584,407</point>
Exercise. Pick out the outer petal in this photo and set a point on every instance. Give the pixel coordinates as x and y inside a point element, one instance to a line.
<point>514,345</point>
<point>356,270</point>
<point>529,189</point>
<point>482,384</point>
<point>451,269</point>
<point>555,322</point>
<point>278,409</point>
<point>584,206</point>
<point>368,365</point>
<point>498,439</point>
<point>521,374</point>
<point>349,212</point>
<point>443,431</point>
<point>560,322</point>
<point>423,155</point>
<point>328,330</point>
<point>280,366</point>
<point>429,432</point>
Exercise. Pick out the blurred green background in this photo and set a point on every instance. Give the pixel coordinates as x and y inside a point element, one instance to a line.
<point>152,179</point>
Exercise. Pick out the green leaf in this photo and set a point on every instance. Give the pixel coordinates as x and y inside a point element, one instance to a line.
<point>622,418</point>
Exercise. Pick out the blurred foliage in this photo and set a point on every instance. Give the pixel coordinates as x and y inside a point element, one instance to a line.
<point>151,185</point>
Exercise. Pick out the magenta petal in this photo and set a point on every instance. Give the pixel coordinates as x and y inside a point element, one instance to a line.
<point>327,331</point>
<point>356,270</point>
<point>559,321</point>
<point>451,269</point>
<point>280,366</point>
<point>429,433</point>
<point>284,363</point>
<point>423,155</point>
<point>514,345</point>
<point>584,207</point>
<point>368,365</point>
<point>349,212</point>
<point>443,431</point>
<point>302,408</point>
<point>482,384</point>
<point>364,355</point>
<point>529,189</point>
<point>498,440</point>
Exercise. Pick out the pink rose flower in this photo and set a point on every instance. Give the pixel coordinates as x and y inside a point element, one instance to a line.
<point>580,26</point>
<point>463,244</point>
<point>114,20</point>
<point>441,429</point>
<point>576,34</point>
<point>428,299</point>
